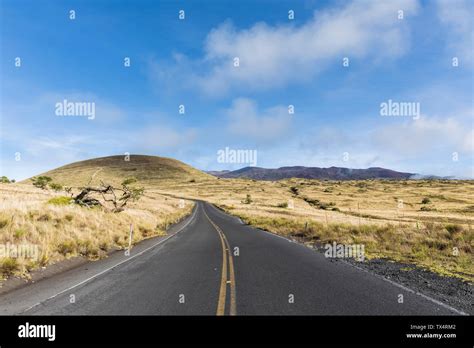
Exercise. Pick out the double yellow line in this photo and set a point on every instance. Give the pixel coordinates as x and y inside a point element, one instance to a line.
<point>225,279</point>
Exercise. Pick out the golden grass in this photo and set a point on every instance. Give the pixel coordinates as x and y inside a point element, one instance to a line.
<point>418,221</point>
<point>388,217</point>
<point>31,216</point>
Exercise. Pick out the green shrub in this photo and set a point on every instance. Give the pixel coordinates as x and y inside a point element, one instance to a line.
<point>56,187</point>
<point>425,200</point>
<point>282,205</point>
<point>41,181</point>
<point>5,180</point>
<point>60,200</point>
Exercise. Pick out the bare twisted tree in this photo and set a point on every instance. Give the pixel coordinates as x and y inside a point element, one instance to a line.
<point>113,199</point>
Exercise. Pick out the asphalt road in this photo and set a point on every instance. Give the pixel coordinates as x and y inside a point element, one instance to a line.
<point>212,264</point>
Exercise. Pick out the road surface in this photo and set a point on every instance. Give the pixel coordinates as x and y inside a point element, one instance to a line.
<point>212,264</point>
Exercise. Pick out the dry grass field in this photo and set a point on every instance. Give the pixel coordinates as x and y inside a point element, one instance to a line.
<point>424,222</point>
<point>427,222</point>
<point>29,217</point>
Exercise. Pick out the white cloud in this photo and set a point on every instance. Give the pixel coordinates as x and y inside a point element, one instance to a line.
<point>273,56</point>
<point>247,121</point>
<point>423,136</point>
<point>456,16</point>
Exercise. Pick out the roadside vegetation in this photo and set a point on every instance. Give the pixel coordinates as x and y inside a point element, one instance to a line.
<point>31,215</point>
<point>444,248</point>
<point>424,222</point>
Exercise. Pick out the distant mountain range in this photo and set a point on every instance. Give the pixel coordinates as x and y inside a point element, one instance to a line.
<point>149,170</point>
<point>332,173</point>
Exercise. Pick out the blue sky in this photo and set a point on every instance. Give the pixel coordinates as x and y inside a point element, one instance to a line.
<point>337,120</point>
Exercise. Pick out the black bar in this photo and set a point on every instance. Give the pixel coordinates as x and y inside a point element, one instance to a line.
<point>136,330</point>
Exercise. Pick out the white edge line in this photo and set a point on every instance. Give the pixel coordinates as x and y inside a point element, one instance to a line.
<point>446,306</point>
<point>114,266</point>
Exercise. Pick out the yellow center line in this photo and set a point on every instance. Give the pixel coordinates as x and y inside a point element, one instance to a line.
<point>224,281</point>
<point>233,303</point>
<point>223,288</point>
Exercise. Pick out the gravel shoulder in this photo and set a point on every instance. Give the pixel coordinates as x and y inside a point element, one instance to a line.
<point>452,291</point>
